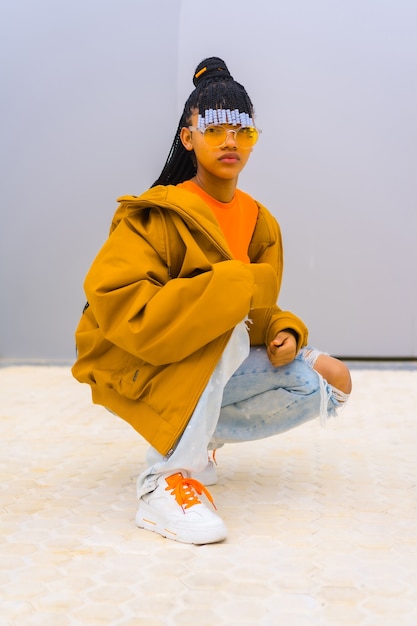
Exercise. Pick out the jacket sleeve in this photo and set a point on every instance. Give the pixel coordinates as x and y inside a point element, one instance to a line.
<point>267,247</point>
<point>161,320</point>
<point>266,323</point>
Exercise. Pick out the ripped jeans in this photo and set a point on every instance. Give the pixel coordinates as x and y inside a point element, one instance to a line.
<point>245,399</point>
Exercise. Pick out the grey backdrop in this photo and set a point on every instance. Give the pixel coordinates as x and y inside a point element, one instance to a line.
<point>91,95</point>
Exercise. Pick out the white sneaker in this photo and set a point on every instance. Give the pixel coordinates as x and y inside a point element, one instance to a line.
<point>209,474</point>
<point>174,511</point>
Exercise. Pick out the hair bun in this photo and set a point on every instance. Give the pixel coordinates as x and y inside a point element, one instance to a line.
<point>211,69</point>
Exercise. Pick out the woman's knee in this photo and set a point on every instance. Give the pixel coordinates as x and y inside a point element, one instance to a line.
<point>335,372</point>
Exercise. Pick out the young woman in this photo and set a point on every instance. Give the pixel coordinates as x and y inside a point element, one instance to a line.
<point>182,336</point>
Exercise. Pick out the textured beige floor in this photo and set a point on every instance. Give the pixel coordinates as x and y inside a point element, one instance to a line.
<point>322,523</point>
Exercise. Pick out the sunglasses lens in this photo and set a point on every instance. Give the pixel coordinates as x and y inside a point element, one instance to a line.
<point>247,136</point>
<point>215,135</point>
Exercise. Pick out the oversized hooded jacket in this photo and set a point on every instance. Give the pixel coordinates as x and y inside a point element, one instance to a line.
<point>164,294</point>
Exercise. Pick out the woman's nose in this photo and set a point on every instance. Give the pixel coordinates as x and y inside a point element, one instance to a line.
<point>231,138</point>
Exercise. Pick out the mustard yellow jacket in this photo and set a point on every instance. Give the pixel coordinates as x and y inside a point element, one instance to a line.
<point>164,295</point>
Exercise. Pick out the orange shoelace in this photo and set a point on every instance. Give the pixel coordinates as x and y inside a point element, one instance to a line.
<point>185,490</point>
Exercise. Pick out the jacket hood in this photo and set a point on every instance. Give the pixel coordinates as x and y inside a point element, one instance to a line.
<point>187,204</point>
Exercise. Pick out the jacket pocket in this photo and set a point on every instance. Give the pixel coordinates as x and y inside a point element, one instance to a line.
<point>126,379</point>
<point>136,380</point>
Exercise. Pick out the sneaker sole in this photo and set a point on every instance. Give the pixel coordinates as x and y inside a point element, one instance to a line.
<point>205,534</point>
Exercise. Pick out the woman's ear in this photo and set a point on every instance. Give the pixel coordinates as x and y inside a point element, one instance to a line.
<point>186,138</point>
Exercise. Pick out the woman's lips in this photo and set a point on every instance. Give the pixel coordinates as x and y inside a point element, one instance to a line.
<point>229,157</point>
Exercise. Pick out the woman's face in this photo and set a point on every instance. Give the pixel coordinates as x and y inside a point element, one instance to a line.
<point>225,161</point>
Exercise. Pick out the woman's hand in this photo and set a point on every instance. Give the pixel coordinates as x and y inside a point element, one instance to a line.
<point>282,349</point>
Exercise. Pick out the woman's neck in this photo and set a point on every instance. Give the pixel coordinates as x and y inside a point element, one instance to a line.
<point>220,189</point>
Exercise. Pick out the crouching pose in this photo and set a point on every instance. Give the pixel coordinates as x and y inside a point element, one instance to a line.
<point>182,336</point>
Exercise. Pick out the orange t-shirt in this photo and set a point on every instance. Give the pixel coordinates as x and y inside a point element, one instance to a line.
<point>237,219</point>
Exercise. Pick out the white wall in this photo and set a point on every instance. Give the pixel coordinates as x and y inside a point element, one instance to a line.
<point>91,98</point>
<point>88,100</point>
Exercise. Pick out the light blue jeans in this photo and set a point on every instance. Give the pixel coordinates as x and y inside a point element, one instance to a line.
<point>246,398</point>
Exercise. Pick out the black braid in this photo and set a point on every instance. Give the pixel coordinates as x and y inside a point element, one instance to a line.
<point>215,88</point>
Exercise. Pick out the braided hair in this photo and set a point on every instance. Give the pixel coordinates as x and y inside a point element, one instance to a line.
<point>215,88</point>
